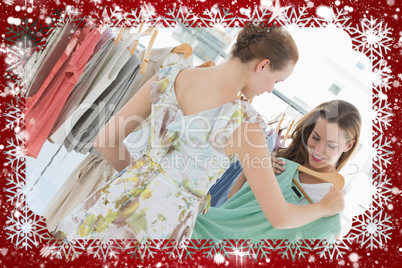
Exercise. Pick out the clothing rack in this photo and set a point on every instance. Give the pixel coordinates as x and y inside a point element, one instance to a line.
<point>203,39</point>
<point>289,101</point>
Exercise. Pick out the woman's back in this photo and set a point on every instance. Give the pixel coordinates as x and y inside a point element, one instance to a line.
<point>202,89</point>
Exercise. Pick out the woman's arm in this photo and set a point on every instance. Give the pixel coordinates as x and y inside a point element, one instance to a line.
<point>277,165</point>
<point>109,142</point>
<point>248,143</point>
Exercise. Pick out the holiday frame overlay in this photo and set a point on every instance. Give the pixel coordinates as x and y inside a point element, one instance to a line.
<point>25,234</point>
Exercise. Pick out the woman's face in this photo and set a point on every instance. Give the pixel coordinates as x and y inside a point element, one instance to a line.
<point>326,144</point>
<point>265,79</point>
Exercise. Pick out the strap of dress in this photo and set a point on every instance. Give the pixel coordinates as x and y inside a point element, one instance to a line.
<point>164,82</point>
<point>233,115</point>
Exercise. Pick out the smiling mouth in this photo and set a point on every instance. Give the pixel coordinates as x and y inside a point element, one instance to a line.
<point>316,158</point>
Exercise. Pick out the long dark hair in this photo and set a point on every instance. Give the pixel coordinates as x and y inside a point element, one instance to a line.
<point>337,111</point>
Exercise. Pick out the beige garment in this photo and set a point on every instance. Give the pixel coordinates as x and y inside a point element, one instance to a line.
<point>83,181</point>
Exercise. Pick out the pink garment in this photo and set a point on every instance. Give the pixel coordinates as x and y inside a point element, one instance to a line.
<point>45,106</point>
<point>57,68</point>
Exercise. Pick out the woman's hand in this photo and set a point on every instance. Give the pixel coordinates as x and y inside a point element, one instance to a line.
<point>333,202</point>
<point>278,165</point>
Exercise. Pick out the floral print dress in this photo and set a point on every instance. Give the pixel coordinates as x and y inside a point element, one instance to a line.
<point>161,193</point>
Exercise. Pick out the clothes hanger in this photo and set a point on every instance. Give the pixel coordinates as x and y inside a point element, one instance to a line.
<point>185,49</point>
<point>207,64</point>
<point>148,52</point>
<point>132,50</point>
<point>335,178</point>
<point>280,123</point>
<point>288,131</point>
<point>290,128</point>
<point>276,120</point>
<point>242,97</point>
<point>119,35</point>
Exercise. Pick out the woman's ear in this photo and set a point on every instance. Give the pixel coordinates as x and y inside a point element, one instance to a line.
<point>350,146</point>
<point>262,64</point>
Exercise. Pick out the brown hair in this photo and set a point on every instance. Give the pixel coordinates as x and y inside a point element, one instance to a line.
<point>272,43</point>
<point>337,111</point>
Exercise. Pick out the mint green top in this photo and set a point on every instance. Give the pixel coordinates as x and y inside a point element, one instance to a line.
<point>242,218</point>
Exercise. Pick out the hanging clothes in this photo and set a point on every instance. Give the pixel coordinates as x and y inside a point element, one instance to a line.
<point>83,134</point>
<point>36,60</point>
<point>76,188</point>
<point>57,70</point>
<point>241,217</point>
<point>101,51</point>
<point>145,200</point>
<point>57,44</point>
<point>98,164</point>
<point>114,62</point>
<point>44,107</point>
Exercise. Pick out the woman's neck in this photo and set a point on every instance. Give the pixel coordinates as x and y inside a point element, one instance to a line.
<point>232,74</point>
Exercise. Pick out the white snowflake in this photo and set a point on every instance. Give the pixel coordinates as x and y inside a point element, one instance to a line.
<point>277,11</point>
<point>261,249</point>
<point>181,250</point>
<point>65,250</point>
<point>14,189</point>
<point>383,153</point>
<point>373,38</point>
<point>333,16</point>
<point>382,77</point>
<point>148,249</point>
<point>14,116</point>
<point>383,193</point>
<point>297,16</point>
<point>333,250</point>
<point>15,153</point>
<point>294,249</point>
<point>105,251</point>
<point>43,11</point>
<point>180,15</point>
<point>25,229</point>
<point>13,88</point>
<point>148,11</point>
<point>116,17</point>
<point>217,15</point>
<point>133,18</point>
<point>225,248</point>
<point>382,114</point>
<point>258,16</point>
<point>70,14</point>
<point>373,229</point>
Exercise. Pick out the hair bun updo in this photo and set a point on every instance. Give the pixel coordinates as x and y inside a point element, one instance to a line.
<point>273,43</point>
<point>251,34</point>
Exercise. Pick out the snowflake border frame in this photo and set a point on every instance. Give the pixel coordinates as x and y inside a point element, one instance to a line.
<point>296,16</point>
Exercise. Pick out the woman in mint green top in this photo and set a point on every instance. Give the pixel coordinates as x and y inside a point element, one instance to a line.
<point>323,140</point>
